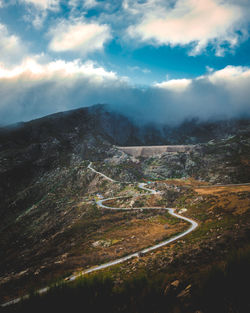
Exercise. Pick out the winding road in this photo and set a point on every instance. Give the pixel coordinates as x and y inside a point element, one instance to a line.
<point>100,203</point>
<point>136,254</point>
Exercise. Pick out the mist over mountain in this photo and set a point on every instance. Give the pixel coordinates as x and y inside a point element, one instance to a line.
<point>28,150</point>
<point>219,95</point>
<point>124,156</point>
<point>118,129</point>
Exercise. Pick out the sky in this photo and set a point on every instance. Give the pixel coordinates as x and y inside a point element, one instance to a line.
<point>158,61</point>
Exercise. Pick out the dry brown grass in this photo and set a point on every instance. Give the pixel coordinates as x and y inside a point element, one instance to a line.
<point>183,182</point>
<point>222,189</point>
<point>234,199</point>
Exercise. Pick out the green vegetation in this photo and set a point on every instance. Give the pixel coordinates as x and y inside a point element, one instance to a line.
<point>220,288</point>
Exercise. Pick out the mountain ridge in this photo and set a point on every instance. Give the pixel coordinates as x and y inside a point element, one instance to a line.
<point>111,125</point>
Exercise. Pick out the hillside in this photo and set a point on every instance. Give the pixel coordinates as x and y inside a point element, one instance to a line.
<point>52,227</point>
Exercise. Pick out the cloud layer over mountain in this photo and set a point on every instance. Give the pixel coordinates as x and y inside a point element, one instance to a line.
<point>56,55</point>
<point>32,90</point>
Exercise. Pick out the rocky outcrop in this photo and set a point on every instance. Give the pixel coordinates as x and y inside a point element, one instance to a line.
<point>29,151</point>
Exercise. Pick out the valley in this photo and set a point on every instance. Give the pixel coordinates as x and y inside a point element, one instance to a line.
<point>56,221</point>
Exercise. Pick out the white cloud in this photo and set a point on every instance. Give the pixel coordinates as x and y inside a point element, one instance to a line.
<point>88,4</point>
<point>37,10</point>
<point>61,69</point>
<point>176,85</point>
<point>235,80</point>
<point>222,94</point>
<point>4,3</point>
<point>11,47</point>
<point>230,74</point>
<point>34,89</point>
<point>78,36</point>
<point>43,4</point>
<point>187,22</point>
<point>138,68</point>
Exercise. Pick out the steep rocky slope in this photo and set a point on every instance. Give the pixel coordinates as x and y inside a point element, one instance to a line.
<point>49,219</point>
<point>33,154</point>
<point>218,161</point>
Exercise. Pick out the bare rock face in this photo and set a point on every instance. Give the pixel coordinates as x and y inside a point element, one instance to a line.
<point>102,243</point>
